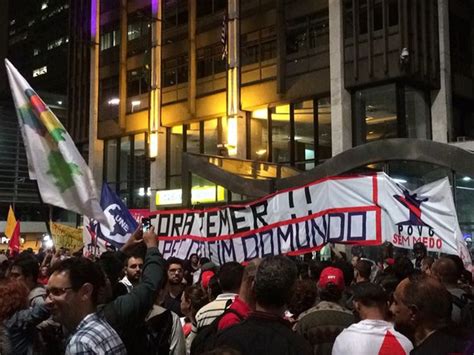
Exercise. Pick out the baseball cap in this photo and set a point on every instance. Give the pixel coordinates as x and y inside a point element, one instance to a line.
<point>205,278</point>
<point>331,275</point>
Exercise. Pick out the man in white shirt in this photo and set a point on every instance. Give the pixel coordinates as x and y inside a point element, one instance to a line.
<point>133,271</point>
<point>373,335</point>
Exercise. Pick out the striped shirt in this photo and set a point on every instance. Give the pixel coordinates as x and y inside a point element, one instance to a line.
<point>94,335</point>
<point>211,311</point>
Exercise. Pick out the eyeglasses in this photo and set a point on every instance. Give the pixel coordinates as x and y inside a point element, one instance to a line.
<point>57,291</point>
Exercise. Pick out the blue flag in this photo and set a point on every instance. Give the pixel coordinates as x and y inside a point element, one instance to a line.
<point>121,222</point>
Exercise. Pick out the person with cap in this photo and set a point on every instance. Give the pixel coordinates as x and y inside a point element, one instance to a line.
<point>321,324</point>
<point>373,335</point>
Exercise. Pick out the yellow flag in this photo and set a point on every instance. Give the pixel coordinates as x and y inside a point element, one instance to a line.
<point>11,223</point>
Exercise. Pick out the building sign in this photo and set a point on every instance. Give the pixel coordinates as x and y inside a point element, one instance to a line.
<point>357,209</point>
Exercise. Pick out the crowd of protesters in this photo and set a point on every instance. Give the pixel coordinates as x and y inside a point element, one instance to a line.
<point>132,301</point>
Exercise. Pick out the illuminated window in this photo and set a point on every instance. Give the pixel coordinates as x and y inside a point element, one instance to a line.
<point>36,51</point>
<point>40,71</point>
<point>44,5</point>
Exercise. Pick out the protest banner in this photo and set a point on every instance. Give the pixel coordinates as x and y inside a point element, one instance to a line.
<point>66,236</point>
<point>355,209</point>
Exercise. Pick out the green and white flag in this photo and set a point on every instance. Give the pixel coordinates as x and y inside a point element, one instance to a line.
<point>63,177</point>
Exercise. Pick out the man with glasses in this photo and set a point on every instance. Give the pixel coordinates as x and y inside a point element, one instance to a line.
<point>175,286</point>
<point>72,297</point>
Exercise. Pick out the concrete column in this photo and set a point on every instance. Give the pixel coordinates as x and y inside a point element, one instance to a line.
<point>156,132</point>
<point>236,118</point>
<point>192,66</point>
<point>123,63</point>
<point>96,146</point>
<point>341,122</point>
<point>441,109</point>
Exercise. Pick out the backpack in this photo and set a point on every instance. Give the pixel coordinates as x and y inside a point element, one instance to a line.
<point>206,337</point>
<point>466,304</point>
<point>159,329</point>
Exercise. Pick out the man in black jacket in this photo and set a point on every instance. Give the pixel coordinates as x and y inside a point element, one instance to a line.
<point>127,313</point>
<point>265,331</point>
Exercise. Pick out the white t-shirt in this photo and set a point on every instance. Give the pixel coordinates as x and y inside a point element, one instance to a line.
<point>371,337</point>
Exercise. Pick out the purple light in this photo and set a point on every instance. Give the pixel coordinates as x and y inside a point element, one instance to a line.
<point>93,19</point>
<point>154,7</point>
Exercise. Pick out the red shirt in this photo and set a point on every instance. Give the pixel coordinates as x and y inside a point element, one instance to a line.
<point>230,319</point>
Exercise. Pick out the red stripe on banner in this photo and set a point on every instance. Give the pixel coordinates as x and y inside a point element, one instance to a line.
<point>378,225</point>
<point>271,226</point>
<point>378,212</point>
<point>212,209</point>
<point>375,189</point>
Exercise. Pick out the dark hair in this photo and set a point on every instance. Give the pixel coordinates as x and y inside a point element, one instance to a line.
<point>459,264</point>
<point>204,260</point>
<point>111,265</point>
<point>370,295</point>
<point>347,270</point>
<point>82,270</point>
<point>274,281</point>
<point>330,293</point>
<point>403,267</point>
<point>230,276</point>
<point>364,268</point>
<point>28,264</point>
<point>135,256</point>
<point>174,260</point>
<point>197,296</point>
<point>315,269</point>
<point>303,298</point>
<point>419,246</point>
<point>214,287</point>
<point>430,297</point>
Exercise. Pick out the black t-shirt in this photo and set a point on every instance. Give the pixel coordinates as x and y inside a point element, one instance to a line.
<point>440,343</point>
<point>173,303</point>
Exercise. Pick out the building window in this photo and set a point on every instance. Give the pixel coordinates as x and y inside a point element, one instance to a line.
<point>193,138</point>
<point>108,98</point>
<point>127,169</point>
<point>209,61</point>
<point>40,71</point>
<point>281,132</point>
<point>390,111</point>
<point>175,13</point>
<point>138,29</point>
<point>57,43</point>
<point>259,135</point>
<point>307,32</point>
<point>175,70</point>
<point>211,136</point>
<point>36,51</point>
<point>207,7</point>
<point>258,46</point>
<point>300,133</point>
<point>137,82</point>
<point>109,40</point>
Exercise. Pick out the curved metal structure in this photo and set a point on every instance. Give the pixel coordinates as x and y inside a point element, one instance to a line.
<point>426,151</point>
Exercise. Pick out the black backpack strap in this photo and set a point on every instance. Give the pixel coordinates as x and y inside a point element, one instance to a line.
<point>233,311</point>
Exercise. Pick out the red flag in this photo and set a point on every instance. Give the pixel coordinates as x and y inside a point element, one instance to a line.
<point>14,243</point>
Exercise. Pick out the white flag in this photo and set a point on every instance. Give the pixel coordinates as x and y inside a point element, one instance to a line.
<point>63,177</point>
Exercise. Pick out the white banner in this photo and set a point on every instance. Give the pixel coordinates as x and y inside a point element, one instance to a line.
<point>357,209</point>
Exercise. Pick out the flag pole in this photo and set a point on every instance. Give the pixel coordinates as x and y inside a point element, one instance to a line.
<point>42,207</point>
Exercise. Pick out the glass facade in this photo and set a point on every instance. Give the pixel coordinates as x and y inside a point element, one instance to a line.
<point>300,134</point>
<point>390,111</point>
<point>127,169</point>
